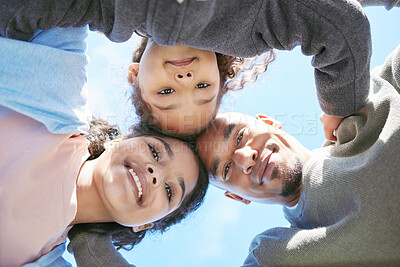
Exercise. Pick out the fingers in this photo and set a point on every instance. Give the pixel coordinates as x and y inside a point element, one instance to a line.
<point>330,124</point>
<point>329,135</point>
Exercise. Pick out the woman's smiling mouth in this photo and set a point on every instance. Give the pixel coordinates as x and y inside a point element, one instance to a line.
<point>138,184</point>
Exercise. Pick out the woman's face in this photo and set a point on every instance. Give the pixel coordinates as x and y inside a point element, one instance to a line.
<point>142,179</point>
<point>180,84</point>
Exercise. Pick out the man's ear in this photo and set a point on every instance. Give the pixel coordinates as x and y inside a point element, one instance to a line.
<point>268,120</point>
<point>142,227</point>
<point>236,197</point>
<point>133,72</point>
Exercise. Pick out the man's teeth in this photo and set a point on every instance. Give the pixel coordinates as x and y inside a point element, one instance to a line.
<point>137,181</point>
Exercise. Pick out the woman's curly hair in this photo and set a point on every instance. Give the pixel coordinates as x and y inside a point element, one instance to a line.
<point>123,237</point>
<point>235,72</point>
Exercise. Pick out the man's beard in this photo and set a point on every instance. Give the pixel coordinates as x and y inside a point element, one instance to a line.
<point>292,181</point>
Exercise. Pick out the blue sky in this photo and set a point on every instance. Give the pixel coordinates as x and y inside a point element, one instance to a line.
<point>219,233</point>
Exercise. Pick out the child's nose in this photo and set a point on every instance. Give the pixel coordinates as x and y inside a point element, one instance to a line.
<point>185,78</point>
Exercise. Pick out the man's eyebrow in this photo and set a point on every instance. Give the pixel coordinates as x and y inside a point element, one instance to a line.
<point>173,106</point>
<point>215,166</point>
<point>205,101</point>
<point>167,147</point>
<point>228,131</point>
<point>182,185</point>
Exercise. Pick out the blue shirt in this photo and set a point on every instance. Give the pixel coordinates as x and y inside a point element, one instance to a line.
<point>46,78</point>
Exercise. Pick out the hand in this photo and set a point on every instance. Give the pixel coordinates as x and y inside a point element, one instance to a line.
<point>330,125</point>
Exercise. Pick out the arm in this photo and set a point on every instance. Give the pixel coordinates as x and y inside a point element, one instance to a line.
<point>388,4</point>
<point>48,85</point>
<point>90,249</point>
<point>21,18</point>
<point>335,32</point>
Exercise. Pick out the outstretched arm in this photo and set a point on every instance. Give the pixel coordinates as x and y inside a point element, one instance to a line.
<point>335,32</point>
<point>19,19</point>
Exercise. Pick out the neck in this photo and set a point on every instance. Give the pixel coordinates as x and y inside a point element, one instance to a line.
<point>90,206</point>
<point>293,200</point>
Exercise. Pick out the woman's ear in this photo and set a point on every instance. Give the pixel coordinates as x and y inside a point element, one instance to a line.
<point>268,120</point>
<point>142,227</point>
<point>133,72</point>
<point>237,198</point>
<point>109,144</point>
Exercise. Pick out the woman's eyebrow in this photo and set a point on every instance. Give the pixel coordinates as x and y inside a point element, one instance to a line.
<point>182,185</point>
<point>167,147</point>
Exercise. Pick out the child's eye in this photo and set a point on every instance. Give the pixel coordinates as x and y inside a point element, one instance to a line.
<point>166,91</point>
<point>170,192</point>
<point>202,85</point>
<point>154,152</point>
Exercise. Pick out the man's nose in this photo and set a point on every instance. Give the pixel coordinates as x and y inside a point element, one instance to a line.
<point>184,77</point>
<point>245,158</point>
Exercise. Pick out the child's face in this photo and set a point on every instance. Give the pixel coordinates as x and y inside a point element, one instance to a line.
<point>180,84</point>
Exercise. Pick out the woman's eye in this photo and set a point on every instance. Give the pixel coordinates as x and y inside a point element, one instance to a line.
<point>154,152</point>
<point>166,91</point>
<point>202,85</point>
<point>226,170</point>
<point>170,193</point>
<point>240,137</point>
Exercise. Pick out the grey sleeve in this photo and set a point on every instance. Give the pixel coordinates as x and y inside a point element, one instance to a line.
<point>19,19</point>
<point>388,4</point>
<point>335,32</point>
<point>90,249</point>
<point>283,246</point>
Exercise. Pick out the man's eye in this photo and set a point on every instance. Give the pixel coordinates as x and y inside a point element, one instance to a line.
<point>240,137</point>
<point>154,152</point>
<point>226,170</point>
<point>166,91</point>
<point>170,192</point>
<point>202,85</point>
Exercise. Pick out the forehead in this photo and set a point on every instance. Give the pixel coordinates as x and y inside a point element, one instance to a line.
<point>185,119</point>
<point>215,141</point>
<point>182,153</point>
<point>223,126</point>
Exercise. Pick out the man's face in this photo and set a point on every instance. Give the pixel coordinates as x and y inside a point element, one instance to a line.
<point>253,159</point>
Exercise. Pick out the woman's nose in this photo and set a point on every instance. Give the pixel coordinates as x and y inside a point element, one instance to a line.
<point>184,77</point>
<point>155,176</point>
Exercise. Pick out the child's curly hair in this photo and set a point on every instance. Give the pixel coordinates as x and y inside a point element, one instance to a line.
<point>235,72</point>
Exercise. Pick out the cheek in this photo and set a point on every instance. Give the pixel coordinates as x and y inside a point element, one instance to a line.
<point>241,183</point>
<point>158,209</point>
<point>118,192</point>
<point>151,79</point>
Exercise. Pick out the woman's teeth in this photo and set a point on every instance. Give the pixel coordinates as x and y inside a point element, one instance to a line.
<point>137,181</point>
